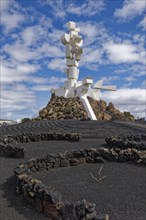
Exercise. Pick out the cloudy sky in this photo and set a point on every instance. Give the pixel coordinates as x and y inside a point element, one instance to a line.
<point>32,56</point>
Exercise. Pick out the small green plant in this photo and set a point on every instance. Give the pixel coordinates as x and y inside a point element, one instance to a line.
<point>67,110</point>
<point>25,120</point>
<point>128,114</point>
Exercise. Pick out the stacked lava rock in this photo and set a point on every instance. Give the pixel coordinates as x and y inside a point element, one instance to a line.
<point>72,108</point>
<point>63,108</point>
<point>104,112</point>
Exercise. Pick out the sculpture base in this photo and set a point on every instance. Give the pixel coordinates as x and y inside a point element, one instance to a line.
<point>60,108</point>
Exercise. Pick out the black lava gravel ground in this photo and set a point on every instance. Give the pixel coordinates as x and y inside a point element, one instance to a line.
<point>122,194</point>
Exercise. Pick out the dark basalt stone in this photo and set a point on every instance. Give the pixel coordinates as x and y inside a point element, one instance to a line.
<point>50,201</point>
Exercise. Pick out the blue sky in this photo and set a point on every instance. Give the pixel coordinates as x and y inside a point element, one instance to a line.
<point>33,59</point>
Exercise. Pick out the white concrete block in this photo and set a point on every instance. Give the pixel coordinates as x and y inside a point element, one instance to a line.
<point>88,108</point>
<point>74,32</point>
<point>68,51</point>
<point>78,57</point>
<point>73,72</point>
<point>77,29</point>
<point>65,38</point>
<point>87,81</point>
<point>72,63</point>
<point>109,88</point>
<point>79,83</point>
<point>71,25</point>
<point>75,39</point>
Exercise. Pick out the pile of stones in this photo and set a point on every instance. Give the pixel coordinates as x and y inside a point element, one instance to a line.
<point>60,108</point>
<point>63,108</point>
<point>108,112</point>
<point>124,142</point>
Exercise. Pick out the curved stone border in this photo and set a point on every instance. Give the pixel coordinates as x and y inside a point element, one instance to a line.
<point>34,137</point>
<point>131,137</point>
<point>50,201</point>
<point>8,148</point>
<point>124,142</point>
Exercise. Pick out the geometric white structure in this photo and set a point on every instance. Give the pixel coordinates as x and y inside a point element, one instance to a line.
<point>72,87</point>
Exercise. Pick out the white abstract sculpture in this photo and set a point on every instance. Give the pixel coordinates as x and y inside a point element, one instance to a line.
<point>72,87</point>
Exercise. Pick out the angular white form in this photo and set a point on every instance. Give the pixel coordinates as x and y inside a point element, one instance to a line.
<point>72,87</point>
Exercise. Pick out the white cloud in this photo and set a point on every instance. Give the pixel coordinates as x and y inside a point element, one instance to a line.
<point>128,99</point>
<point>54,35</point>
<point>23,53</point>
<point>46,84</point>
<point>109,79</point>
<point>57,64</point>
<point>19,52</point>
<point>35,34</point>
<point>142,24</point>
<point>124,53</point>
<point>29,35</point>
<point>11,21</point>
<point>91,55</point>
<point>136,70</point>
<point>27,68</point>
<point>93,32</point>
<point>130,9</point>
<point>44,87</point>
<point>11,72</point>
<point>4,5</point>
<point>125,96</point>
<point>61,8</point>
<point>130,78</point>
<point>143,84</point>
<point>87,8</point>
<point>16,98</point>
<point>139,111</point>
<point>57,7</point>
<point>11,18</point>
<point>49,50</point>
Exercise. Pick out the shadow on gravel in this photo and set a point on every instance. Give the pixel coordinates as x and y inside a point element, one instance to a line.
<point>21,206</point>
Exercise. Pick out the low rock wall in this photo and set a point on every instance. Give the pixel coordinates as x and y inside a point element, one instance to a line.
<point>9,148</point>
<point>50,201</point>
<point>34,137</point>
<point>124,142</point>
<point>78,157</point>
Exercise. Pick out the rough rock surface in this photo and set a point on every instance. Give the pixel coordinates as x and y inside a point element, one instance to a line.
<point>48,200</point>
<point>108,112</point>
<point>72,108</point>
<point>63,108</point>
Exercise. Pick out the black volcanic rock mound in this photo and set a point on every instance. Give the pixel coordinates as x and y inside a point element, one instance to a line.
<point>63,108</point>
<point>72,108</point>
<point>108,112</point>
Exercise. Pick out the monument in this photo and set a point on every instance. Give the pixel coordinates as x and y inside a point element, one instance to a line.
<point>72,86</point>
